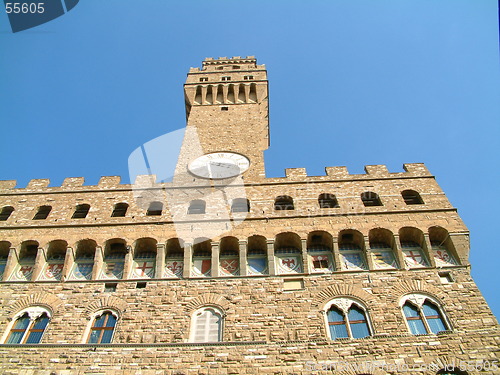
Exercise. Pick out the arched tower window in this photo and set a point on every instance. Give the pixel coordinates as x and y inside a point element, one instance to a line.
<point>326,200</point>
<point>81,211</point>
<point>369,199</point>
<point>42,213</point>
<point>103,327</point>
<point>197,206</point>
<point>423,315</point>
<point>240,205</point>
<point>120,210</point>
<point>206,325</point>
<point>28,326</point>
<point>346,318</point>
<point>6,212</point>
<point>155,209</point>
<point>283,202</point>
<point>412,197</point>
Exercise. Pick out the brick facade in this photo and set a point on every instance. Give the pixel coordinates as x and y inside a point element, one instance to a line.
<point>274,322</point>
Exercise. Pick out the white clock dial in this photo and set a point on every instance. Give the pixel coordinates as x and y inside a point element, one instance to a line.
<point>218,165</point>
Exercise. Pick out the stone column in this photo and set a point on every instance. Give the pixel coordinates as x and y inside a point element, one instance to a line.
<point>98,263</point>
<point>160,261</point>
<point>305,258</point>
<point>40,261</point>
<point>12,262</point>
<point>69,260</point>
<point>129,261</point>
<point>427,247</point>
<point>271,260</point>
<point>215,259</point>
<point>243,258</point>
<point>368,254</point>
<point>336,254</point>
<point>398,252</point>
<point>188,263</point>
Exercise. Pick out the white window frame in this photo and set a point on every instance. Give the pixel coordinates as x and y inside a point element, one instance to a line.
<point>192,333</point>
<point>34,312</point>
<point>344,304</point>
<point>92,318</point>
<point>418,300</point>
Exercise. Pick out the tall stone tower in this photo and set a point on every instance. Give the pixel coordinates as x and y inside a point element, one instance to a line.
<point>225,271</point>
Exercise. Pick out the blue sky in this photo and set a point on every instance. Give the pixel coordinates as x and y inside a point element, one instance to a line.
<point>352,83</point>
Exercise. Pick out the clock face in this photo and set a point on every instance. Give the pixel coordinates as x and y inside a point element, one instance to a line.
<point>218,165</point>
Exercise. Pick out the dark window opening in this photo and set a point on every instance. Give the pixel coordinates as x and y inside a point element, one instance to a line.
<point>110,287</point>
<point>225,108</point>
<point>120,210</point>
<point>240,205</point>
<point>412,197</point>
<point>43,212</point>
<point>6,212</point>
<point>81,211</point>
<point>284,202</point>
<point>370,199</point>
<point>155,209</point>
<point>328,201</point>
<point>197,207</point>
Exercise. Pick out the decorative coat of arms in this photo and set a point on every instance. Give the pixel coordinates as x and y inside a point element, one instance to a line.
<point>230,266</point>
<point>174,268</point>
<point>257,266</point>
<point>202,267</point>
<point>289,264</point>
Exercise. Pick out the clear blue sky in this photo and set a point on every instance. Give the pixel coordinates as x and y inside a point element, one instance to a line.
<point>352,82</point>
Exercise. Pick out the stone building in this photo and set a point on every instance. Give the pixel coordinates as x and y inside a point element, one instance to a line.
<point>220,270</point>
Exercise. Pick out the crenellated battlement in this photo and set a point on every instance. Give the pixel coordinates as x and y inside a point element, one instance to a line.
<point>210,63</point>
<point>377,172</point>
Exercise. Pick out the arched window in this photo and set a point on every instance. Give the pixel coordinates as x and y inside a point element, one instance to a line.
<point>328,201</point>
<point>174,258</point>
<point>81,211</point>
<point>84,260</point>
<point>56,254</point>
<point>423,315</point>
<point>257,255</point>
<point>284,202</point>
<point>346,318</point>
<point>144,259</point>
<point>27,256</point>
<point>28,326</point>
<point>197,207</point>
<point>240,205</point>
<point>120,210</point>
<point>351,244</point>
<point>155,209</point>
<point>42,213</point>
<point>202,257</point>
<point>103,328</point>
<point>382,246</point>
<point>206,325</point>
<point>370,199</point>
<point>412,197</point>
<point>114,259</point>
<point>6,212</point>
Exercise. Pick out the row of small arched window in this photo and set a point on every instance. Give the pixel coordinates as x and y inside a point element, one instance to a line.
<point>198,206</point>
<point>350,251</point>
<point>344,318</point>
